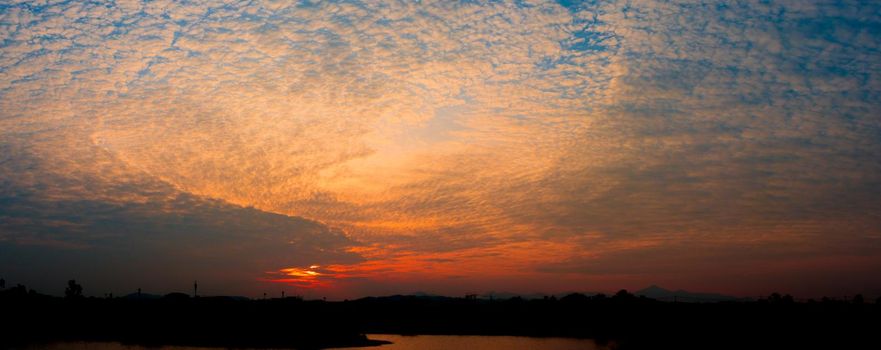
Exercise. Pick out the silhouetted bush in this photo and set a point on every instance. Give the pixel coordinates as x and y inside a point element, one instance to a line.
<point>73,290</point>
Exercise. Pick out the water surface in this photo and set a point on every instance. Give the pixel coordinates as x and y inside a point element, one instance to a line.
<point>480,342</point>
<point>399,342</point>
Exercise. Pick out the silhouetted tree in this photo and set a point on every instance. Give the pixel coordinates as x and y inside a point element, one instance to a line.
<point>2,283</point>
<point>858,299</point>
<point>18,290</point>
<point>73,290</point>
<point>623,295</point>
<point>776,298</point>
<point>574,298</point>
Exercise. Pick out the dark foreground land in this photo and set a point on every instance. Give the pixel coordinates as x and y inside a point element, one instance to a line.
<point>622,321</point>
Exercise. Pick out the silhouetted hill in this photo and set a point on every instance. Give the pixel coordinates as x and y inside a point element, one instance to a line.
<point>176,296</point>
<point>144,296</point>
<point>659,293</point>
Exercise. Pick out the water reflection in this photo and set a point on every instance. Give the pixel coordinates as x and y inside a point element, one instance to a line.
<point>420,342</point>
<point>479,342</point>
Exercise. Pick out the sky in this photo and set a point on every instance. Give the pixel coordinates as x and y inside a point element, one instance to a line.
<point>342,149</point>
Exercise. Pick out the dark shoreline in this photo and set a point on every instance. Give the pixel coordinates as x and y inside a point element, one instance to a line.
<point>366,342</point>
<point>622,321</point>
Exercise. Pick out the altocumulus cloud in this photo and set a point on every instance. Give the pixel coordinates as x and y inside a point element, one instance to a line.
<point>578,139</point>
<point>116,229</point>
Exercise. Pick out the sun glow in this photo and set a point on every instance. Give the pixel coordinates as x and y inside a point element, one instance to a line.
<point>297,272</point>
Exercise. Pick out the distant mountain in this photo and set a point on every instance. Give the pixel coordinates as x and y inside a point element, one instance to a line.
<point>425,295</point>
<point>659,293</point>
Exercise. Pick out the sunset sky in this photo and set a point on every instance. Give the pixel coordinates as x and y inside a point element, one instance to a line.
<point>349,148</point>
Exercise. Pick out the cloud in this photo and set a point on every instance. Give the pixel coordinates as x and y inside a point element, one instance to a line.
<point>443,132</point>
<point>118,229</point>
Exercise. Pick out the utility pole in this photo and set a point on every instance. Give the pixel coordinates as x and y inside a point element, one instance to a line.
<point>195,289</point>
